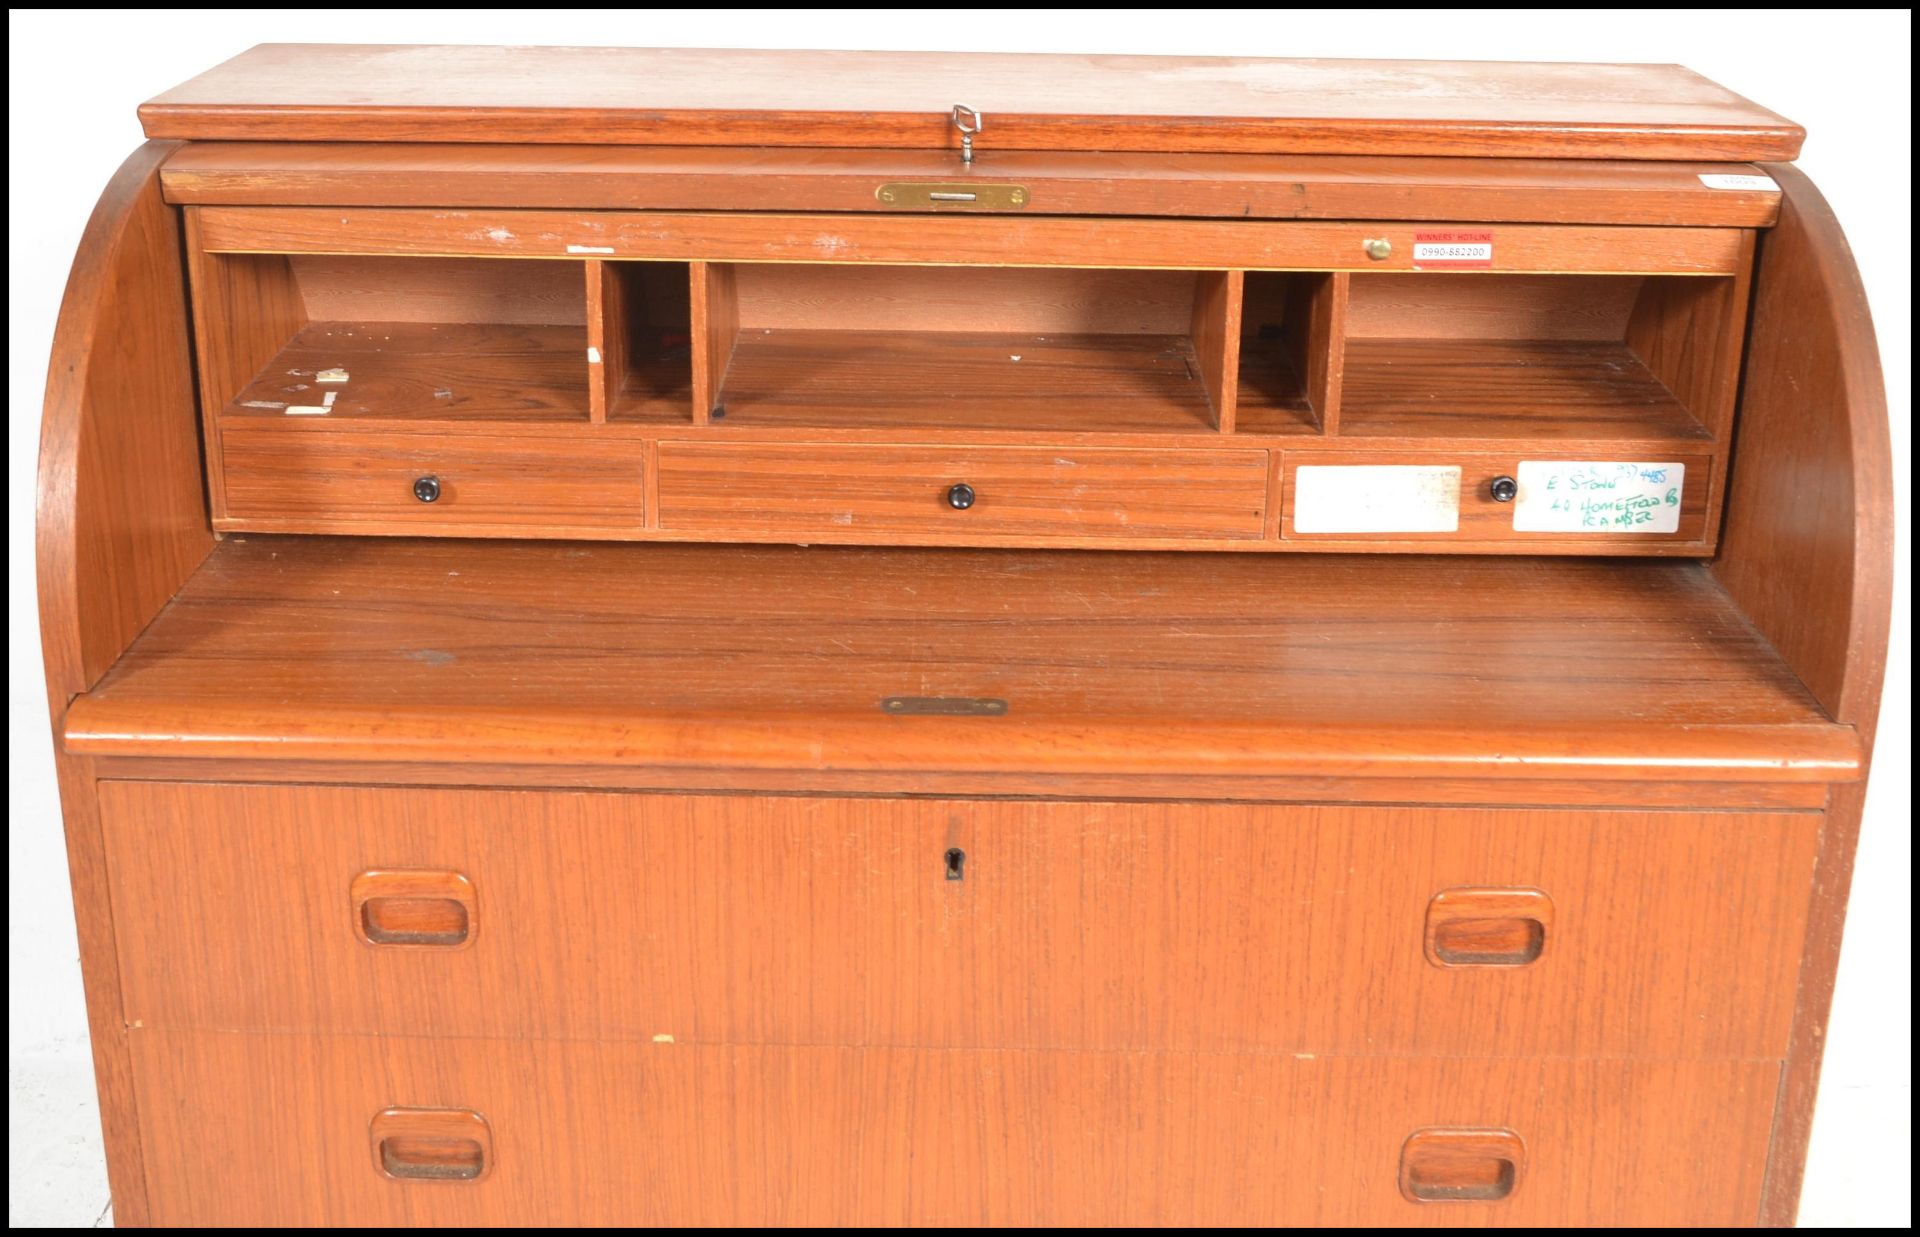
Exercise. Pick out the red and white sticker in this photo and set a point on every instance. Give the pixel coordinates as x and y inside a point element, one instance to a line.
<point>1453,251</point>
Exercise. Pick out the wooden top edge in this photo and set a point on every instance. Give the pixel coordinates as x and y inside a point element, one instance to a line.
<point>103,726</point>
<point>1211,185</point>
<point>636,96</point>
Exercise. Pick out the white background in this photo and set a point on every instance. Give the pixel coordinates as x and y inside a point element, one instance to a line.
<point>76,78</point>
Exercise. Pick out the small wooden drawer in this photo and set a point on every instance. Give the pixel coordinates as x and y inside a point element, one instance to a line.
<point>272,1130</point>
<point>959,924</point>
<point>303,478</point>
<point>962,494</point>
<point>1467,496</point>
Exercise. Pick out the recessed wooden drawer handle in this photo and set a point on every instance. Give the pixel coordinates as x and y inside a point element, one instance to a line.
<point>1488,927</point>
<point>1451,1165</point>
<point>432,1144</point>
<point>427,909</point>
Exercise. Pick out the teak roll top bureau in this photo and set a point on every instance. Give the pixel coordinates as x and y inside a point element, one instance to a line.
<point>671,637</point>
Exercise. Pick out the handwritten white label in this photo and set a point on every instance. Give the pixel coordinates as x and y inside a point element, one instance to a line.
<point>1376,498</point>
<point>1589,496</point>
<point>589,248</point>
<point>1736,180</point>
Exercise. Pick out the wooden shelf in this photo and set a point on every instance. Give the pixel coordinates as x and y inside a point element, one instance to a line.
<point>1555,389</point>
<point>733,656</point>
<point>426,371</point>
<point>1273,395</point>
<point>657,385</point>
<point>937,379</point>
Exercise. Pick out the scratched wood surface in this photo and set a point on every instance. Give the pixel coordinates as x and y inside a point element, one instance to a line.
<point>1084,926</point>
<point>959,240</point>
<point>681,1134</point>
<point>742,656</point>
<point>399,371</point>
<point>647,96</point>
<point>1057,182</point>
<point>120,523</point>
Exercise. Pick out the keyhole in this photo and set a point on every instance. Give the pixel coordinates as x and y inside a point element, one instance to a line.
<point>956,864</point>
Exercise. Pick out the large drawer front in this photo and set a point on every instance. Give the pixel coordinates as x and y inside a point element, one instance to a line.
<point>280,1130</point>
<point>1109,926</point>
<point>277,478</point>
<point>962,493</point>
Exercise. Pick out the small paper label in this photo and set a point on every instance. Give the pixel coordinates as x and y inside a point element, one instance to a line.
<point>1376,498</point>
<point>1453,250</point>
<point>1586,496</point>
<point>1734,180</point>
<point>589,248</point>
<point>308,410</point>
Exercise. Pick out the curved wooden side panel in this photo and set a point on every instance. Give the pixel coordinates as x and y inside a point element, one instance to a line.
<point>1808,555</point>
<point>122,518</point>
<point>121,524</point>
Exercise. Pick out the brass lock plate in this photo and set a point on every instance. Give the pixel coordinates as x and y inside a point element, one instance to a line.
<point>943,195</point>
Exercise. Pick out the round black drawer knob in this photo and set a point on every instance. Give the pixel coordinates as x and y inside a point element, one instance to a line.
<point>427,489</point>
<point>960,497</point>
<point>1503,489</point>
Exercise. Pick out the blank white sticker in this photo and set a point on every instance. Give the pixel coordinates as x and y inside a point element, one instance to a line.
<point>1598,496</point>
<point>1376,498</point>
<point>1734,180</point>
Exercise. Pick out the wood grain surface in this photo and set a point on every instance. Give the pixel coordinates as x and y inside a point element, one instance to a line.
<point>1057,182</point>
<point>120,525</point>
<point>1154,787</point>
<point>246,308</point>
<point>649,334</point>
<point>735,657</point>
<point>782,920</point>
<point>967,299</point>
<point>462,290</point>
<point>424,371</point>
<point>1215,332</point>
<point>1431,304</point>
<point>962,240</point>
<point>830,1136</point>
<point>715,317</point>
<point>904,382</point>
<point>496,483</point>
<point>639,96</point>
<point>1562,390</point>
<point>1809,555</point>
<point>797,491</point>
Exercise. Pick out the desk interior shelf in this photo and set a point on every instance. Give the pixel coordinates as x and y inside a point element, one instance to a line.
<point>909,347</point>
<point>501,370</point>
<point>394,339</point>
<point>1553,357</point>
